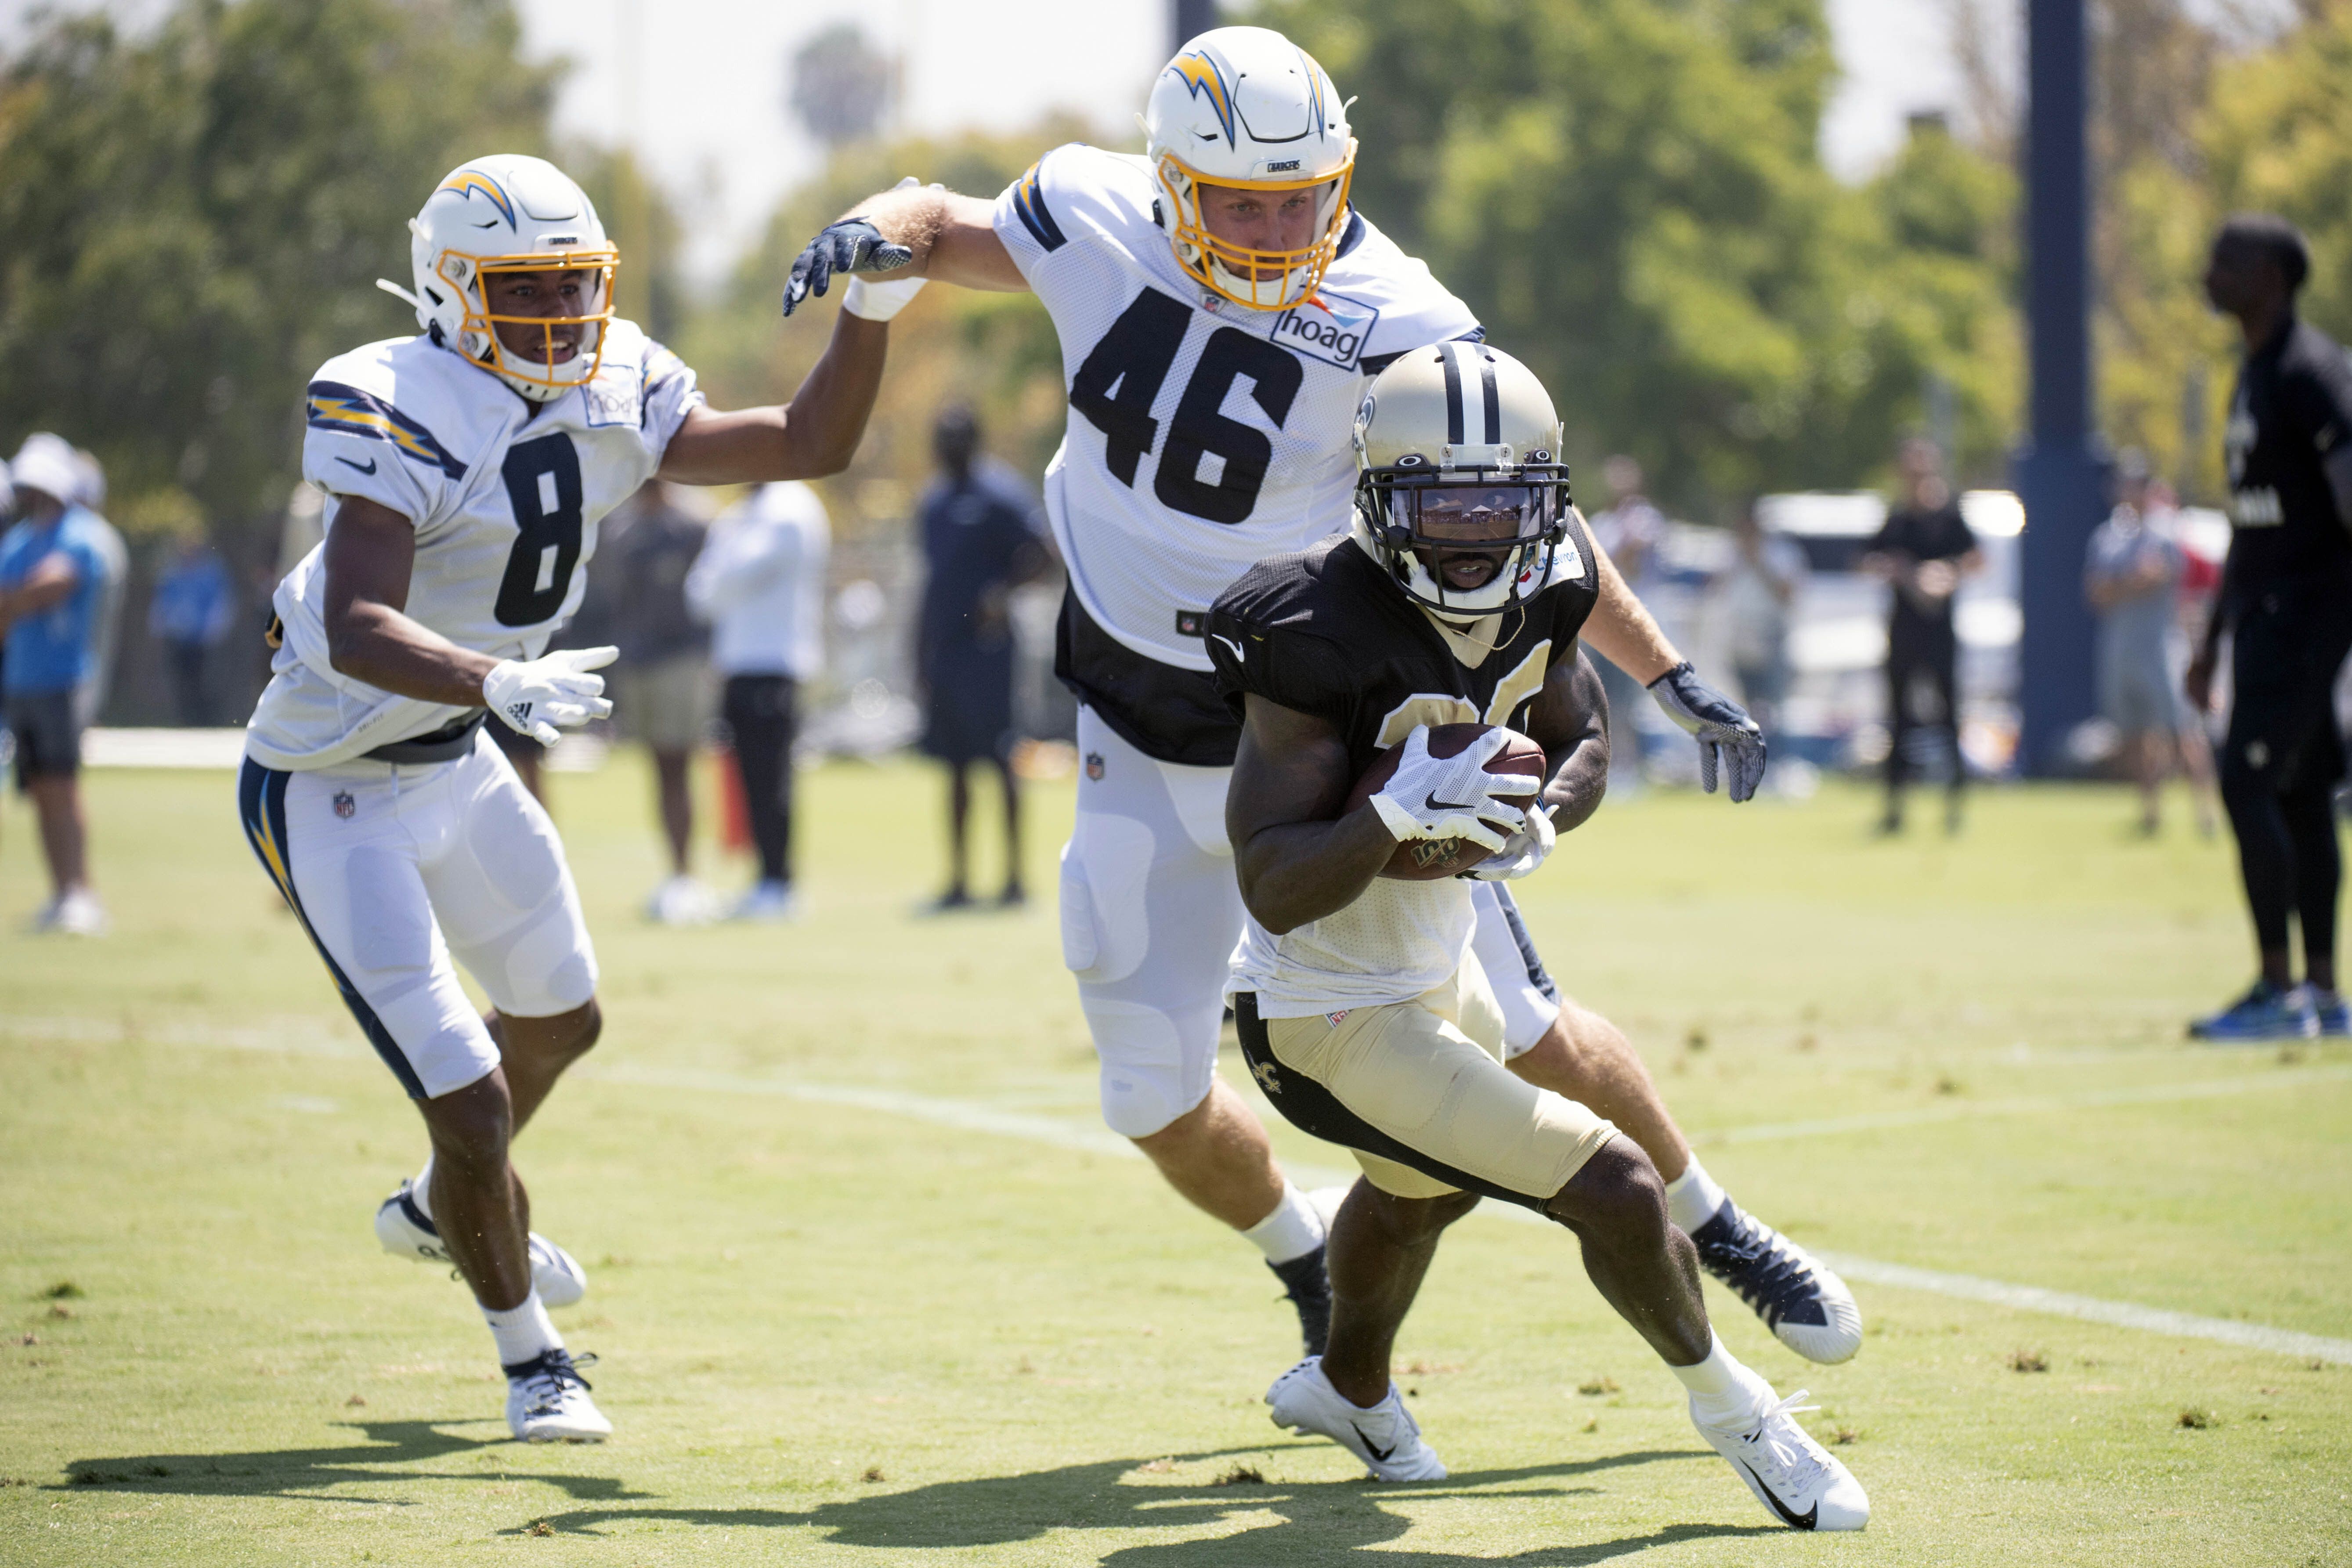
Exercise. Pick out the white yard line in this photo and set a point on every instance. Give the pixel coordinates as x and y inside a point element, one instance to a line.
<point>1091,1137</point>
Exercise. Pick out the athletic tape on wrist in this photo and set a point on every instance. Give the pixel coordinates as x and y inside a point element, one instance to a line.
<point>873,302</point>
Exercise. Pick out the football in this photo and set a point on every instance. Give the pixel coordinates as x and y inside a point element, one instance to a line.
<point>1427,859</point>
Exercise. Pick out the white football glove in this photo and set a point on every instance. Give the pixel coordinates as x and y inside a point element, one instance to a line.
<point>1521,853</point>
<point>533,696</point>
<point>1453,797</point>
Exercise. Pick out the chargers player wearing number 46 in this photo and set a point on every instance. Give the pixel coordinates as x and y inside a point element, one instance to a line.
<point>1221,308</point>
<point>468,467</point>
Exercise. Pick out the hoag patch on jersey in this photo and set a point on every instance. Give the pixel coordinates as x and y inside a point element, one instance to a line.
<point>1329,327</point>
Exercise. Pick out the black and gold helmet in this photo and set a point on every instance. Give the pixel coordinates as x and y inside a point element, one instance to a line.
<point>1460,484</point>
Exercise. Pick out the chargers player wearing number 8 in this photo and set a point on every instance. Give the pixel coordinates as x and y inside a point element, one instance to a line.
<point>468,467</point>
<point>1221,308</point>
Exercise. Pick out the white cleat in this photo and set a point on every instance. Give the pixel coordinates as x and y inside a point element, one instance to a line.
<point>1796,1477</point>
<point>405,1232</point>
<point>768,903</point>
<point>1386,1436</point>
<point>682,901</point>
<point>76,913</point>
<point>547,1401</point>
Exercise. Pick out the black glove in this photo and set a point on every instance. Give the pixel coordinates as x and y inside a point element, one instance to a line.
<point>853,245</point>
<point>1720,726</point>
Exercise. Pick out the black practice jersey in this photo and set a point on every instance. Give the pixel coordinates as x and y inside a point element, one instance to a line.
<point>1325,631</point>
<point>1918,534</point>
<point>2292,408</point>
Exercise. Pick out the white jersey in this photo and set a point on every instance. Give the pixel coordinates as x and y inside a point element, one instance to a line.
<point>505,497</point>
<point>1203,435</point>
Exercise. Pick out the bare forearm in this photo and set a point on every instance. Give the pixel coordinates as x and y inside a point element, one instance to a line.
<point>953,237</point>
<point>383,648</point>
<point>815,434</point>
<point>1301,871</point>
<point>1623,631</point>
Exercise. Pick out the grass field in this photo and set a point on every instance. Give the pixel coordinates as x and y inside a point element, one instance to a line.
<point>870,1285</point>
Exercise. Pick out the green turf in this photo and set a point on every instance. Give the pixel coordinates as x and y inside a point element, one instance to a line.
<point>838,1335</point>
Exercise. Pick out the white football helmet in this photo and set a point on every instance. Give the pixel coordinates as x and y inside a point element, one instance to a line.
<point>1457,457</point>
<point>1246,108</point>
<point>508,212</point>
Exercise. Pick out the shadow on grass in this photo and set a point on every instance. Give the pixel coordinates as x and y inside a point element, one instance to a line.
<point>1318,1521</point>
<point>295,1472</point>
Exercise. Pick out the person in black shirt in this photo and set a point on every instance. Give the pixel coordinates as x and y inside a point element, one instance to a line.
<point>2285,606</point>
<point>979,544</point>
<point>1923,550</point>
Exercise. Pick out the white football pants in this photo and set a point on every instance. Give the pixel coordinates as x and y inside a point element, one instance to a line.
<point>398,873</point>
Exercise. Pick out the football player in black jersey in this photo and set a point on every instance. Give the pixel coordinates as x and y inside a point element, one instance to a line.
<point>1458,596</point>
<point>2285,604</point>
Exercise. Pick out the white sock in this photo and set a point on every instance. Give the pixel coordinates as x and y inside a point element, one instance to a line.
<point>523,1331</point>
<point>420,1191</point>
<point>1293,1231</point>
<point>1723,1394</point>
<point>1693,1197</point>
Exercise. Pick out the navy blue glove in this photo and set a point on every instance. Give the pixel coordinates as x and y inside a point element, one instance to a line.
<point>853,245</point>
<point>1719,725</point>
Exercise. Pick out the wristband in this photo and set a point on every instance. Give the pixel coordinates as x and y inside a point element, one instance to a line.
<point>873,302</point>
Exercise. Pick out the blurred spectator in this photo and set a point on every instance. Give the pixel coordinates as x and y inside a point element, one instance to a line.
<point>53,570</point>
<point>114,557</point>
<point>1753,598</point>
<point>2131,574</point>
<point>191,613</point>
<point>980,541</point>
<point>662,686</point>
<point>759,583</point>
<point>1923,550</point>
<point>1629,533</point>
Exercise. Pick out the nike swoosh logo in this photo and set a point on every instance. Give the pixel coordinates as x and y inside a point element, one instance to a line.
<point>1238,655</point>
<point>1805,1521</point>
<point>1437,805</point>
<point>367,468</point>
<point>1374,1449</point>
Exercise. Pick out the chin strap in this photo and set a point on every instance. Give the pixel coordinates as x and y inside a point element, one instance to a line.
<point>398,292</point>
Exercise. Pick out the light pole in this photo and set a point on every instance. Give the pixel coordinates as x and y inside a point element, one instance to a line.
<point>1189,19</point>
<point>2061,474</point>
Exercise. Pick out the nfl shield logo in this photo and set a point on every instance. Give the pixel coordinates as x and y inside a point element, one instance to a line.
<point>1095,766</point>
<point>345,806</point>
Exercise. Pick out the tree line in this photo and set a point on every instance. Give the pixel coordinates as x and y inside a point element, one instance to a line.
<point>1629,193</point>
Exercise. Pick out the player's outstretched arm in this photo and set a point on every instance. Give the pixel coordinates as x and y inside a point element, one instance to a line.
<point>1290,778</point>
<point>1623,631</point>
<point>815,434</point>
<point>914,231</point>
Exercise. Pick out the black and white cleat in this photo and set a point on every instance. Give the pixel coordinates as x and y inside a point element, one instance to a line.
<point>1807,1308</point>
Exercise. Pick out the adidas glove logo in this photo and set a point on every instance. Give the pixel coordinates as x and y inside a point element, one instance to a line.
<point>518,712</point>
